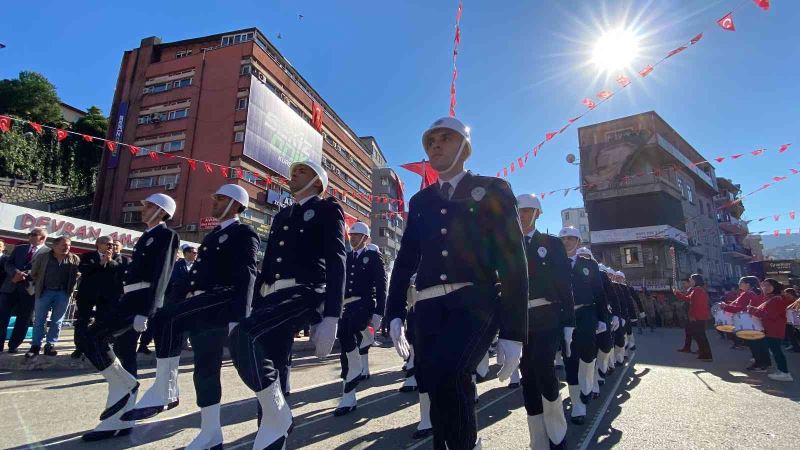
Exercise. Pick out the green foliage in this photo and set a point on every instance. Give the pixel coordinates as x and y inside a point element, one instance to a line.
<point>32,97</point>
<point>29,156</point>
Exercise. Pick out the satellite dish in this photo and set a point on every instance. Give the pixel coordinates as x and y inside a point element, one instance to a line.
<point>571,158</point>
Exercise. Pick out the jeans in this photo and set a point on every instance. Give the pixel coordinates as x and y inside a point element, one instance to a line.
<point>50,299</point>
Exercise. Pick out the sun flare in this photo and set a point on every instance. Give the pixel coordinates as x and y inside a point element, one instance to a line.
<point>615,50</point>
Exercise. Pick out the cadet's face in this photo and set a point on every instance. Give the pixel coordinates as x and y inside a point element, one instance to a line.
<point>442,146</point>
<point>570,243</point>
<point>190,255</point>
<point>356,239</point>
<point>218,205</point>
<point>526,216</point>
<point>301,176</point>
<point>148,210</point>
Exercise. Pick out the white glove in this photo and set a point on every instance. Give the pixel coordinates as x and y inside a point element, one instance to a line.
<point>376,321</point>
<point>231,326</point>
<point>140,323</point>
<point>397,332</point>
<point>501,357</point>
<point>568,340</point>
<point>323,335</point>
<point>614,323</point>
<point>512,352</point>
<point>601,328</point>
<point>642,315</point>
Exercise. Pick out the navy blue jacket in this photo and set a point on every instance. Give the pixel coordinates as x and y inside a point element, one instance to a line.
<point>549,275</point>
<point>153,258</point>
<point>178,282</point>
<point>366,278</point>
<point>587,288</point>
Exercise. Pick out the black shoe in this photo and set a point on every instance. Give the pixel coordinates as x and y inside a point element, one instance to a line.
<point>363,377</point>
<point>408,388</point>
<point>632,348</point>
<point>585,399</point>
<point>595,395</point>
<point>13,351</point>
<point>480,379</point>
<point>561,446</point>
<point>148,412</point>
<point>513,385</point>
<point>344,411</point>
<point>578,420</point>
<point>619,364</point>
<point>419,434</point>
<point>94,436</point>
<point>601,382</point>
<point>49,350</point>
<point>33,352</point>
<point>144,350</point>
<point>76,354</point>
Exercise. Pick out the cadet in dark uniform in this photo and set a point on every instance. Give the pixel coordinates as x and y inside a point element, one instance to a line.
<point>365,295</point>
<point>605,340</point>
<point>368,338</point>
<point>550,311</point>
<point>145,281</point>
<point>591,314</point>
<point>462,232</point>
<point>301,281</point>
<point>620,336</point>
<point>221,284</point>
<point>634,306</point>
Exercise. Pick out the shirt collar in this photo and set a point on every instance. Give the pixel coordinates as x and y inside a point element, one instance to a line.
<point>530,235</point>
<point>225,224</point>
<point>360,251</point>
<point>156,226</point>
<point>303,200</point>
<point>453,181</point>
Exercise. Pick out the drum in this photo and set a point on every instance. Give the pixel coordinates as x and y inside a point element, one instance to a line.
<point>723,320</point>
<point>748,327</point>
<point>793,317</point>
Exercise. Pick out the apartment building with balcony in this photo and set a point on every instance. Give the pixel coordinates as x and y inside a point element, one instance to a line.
<point>733,231</point>
<point>646,191</point>
<point>577,218</point>
<point>388,220</point>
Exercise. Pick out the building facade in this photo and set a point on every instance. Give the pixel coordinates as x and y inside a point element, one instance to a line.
<point>577,218</point>
<point>733,231</point>
<point>647,192</point>
<point>388,221</point>
<point>229,99</point>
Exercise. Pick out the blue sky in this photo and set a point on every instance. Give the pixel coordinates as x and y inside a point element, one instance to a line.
<point>385,68</point>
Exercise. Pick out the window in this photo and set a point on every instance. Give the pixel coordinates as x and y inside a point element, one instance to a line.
<point>584,230</point>
<point>164,180</point>
<point>680,185</point>
<point>152,181</point>
<point>566,216</point>
<point>183,53</point>
<point>238,136</point>
<point>384,181</point>
<point>689,194</point>
<point>174,146</point>
<point>178,114</point>
<point>631,255</point>
<point>131,217</point>
<point>583,214</point>
<point>241,103</point>
<point>168,85</point>
<point>246,69</point>
<point>140,183</point>
<point>237,38</point>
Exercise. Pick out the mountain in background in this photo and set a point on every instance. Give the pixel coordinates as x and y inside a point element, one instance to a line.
<point>771,241</point>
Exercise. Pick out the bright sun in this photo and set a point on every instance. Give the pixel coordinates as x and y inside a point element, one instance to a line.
<point>615,50</point>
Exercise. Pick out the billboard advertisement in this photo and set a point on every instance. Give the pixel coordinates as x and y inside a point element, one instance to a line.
<point>275,135</point>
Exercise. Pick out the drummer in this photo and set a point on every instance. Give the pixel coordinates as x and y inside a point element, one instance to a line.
<point>793,329</point>
<point>750,296</point>
<point>773,316</point>
<point>698,315</point>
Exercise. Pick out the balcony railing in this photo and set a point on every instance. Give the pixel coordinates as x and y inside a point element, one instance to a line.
<point>736,248</point>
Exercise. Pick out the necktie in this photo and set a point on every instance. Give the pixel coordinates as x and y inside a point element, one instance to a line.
<point>447,190</point>
<point>527,240</point>
<point>29,256</point>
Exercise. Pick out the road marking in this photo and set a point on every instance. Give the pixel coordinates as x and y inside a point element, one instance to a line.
<point>602,412</point>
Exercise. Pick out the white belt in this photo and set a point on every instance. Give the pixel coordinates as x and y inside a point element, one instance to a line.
<point>577,307</point>
<point>195,293</point>
<point>277,286</point>
<point>135,286</point>
<point>350,300</point>
<point>533,303</point>
<point>439,290</point>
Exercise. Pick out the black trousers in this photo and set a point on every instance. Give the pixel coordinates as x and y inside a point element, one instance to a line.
<point>760,352</point>
<point>605,340</point>
<point>109,338</point>
<point>583,346</point>
<point>261,344</point>
<point>696,330</point>
<point>411,337</point>
<point>205,318</point>
<point>775,346</point>
<point>21,303</point>
<point>355,319</point>
<point>538,370</point>
<point>452,333</point>
<point>147,337</point>
<point>619,337</point>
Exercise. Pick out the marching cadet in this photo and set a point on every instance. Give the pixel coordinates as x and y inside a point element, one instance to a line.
<point>145,281</point>
<point>463,236</point>
<point>591,311</point>
<point>301,281</point>
<point>550,310</point>
<point>602,339</point>
<point>220,291</point>
<point>620,336</point>
<point>365,295</point>
<point>368,338</point>
<point>605,340</point>
<point>424,427</point>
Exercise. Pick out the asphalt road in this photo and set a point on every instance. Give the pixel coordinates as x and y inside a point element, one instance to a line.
<point>661,400</point>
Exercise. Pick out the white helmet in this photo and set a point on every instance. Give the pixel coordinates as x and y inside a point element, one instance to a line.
<point>529,201</point>
<point>235,192</point>
<point>322,175</point>
<point>373,247</point>
<point>451,123</point>
<point>163,201</point>
<point>620,274</point>
<point>359,228</point>
<point>584,251</point>
<point>571,232</point>
<point>602,267</point>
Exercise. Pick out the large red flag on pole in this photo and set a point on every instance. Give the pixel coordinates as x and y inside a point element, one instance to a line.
<point>423,169</point>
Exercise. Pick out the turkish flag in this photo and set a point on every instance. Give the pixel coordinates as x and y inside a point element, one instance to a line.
<point>423,169</point>
<point>61,135</point>
<point>788,231</point>
<point>316,116</point>
<point>696,39</point>
<point>36,127</point>
<point>720,159</point>
<point>736,156</point>
<point>778,178</point>
<point>589,103</point>
<point>550,135</point>
<point>239,173</point>
<point>5,124</point>
<point>520,163</point>
<point>208,167</point>
<point>505,172</point>
<point>111,146</point>
<point>795,171</point>
<point>784,147</point>
<point>224,171</point>
<point>727,22</point>
<point>791,215</point>
<point>776,217</point>
<point>537,148</point>
<point>646,71</point>
<point>153,155</point>
<point>512,167</point>
<point>675,52</point>
<point>757,152</point>
<point>134,150</point>
<point>763,4</point>
<point>87,138</point>
<point>623,81</point>
<point>604,95</point>
<point>574,119</point>
<point>192,164</point>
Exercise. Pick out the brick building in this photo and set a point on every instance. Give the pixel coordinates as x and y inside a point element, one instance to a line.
<point>231,99</point>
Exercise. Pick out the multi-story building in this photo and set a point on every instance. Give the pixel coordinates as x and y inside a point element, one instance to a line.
<point>577,218</point>
<point>733,231</point>
<point>388,221</point>
<point>756,246</point>
<point>230,99</point>
<point>645,192</point>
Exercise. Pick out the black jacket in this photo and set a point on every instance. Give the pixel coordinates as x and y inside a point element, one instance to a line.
<point>587,288</point>
<point>306,242</point>
<point>476,237</point>
<point>366,278</point>
<point>100,287</point>
<point>227,259</point>
<point>178,282</point>
<point>153,258</point>
<point>549,278</point>
<point>614,308</point>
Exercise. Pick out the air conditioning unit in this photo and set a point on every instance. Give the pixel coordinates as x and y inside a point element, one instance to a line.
<point>155,117</point>
<point>191,227</point>
<point>170,186</point>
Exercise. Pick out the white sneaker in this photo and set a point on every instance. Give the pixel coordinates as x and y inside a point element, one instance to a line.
<point>780,376</point>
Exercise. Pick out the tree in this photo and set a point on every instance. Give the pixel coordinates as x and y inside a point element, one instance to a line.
<point>86,154</point>
<point>31,97</point>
